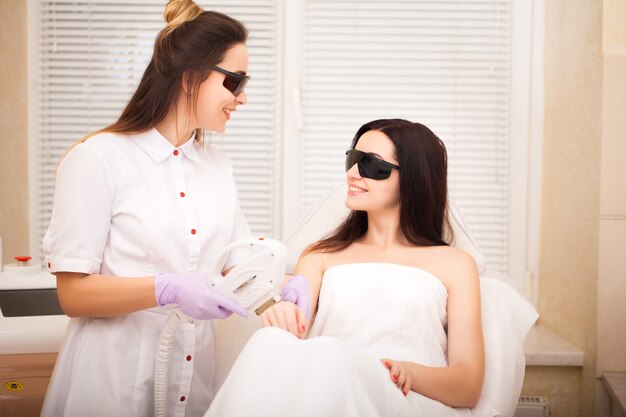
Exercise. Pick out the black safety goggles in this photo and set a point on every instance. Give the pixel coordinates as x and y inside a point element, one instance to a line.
<point>369,166</point>
<point>233,82</point>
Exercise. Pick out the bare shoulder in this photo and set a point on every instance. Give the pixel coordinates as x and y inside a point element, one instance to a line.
<point>459,257</point>
<point>459,266</point>
<point>311,261</point>
<point>321,261</point>
<point>450,264</point>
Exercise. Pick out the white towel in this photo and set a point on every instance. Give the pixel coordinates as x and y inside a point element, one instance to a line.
<point>367,311</point>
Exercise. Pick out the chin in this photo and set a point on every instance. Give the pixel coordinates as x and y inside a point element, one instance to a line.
<point>216,129</point>
<point>352,206</point>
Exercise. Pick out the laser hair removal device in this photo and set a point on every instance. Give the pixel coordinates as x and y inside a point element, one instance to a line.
<point>253,284</point>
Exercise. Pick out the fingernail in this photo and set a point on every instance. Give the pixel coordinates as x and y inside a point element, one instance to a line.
<point>405,393</point>
<point>394,377</point>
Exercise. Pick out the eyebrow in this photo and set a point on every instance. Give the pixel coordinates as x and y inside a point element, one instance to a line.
<point>375,154</point>
<point>239,72</point>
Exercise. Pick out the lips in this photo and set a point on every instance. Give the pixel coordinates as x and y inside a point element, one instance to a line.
<point>228,112</point>
<point>354,189</point>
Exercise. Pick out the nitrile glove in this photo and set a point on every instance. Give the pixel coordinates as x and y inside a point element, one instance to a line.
<point>193,295</point>
<point>297,291</point>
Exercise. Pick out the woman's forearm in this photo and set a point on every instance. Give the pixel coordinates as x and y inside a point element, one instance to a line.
<point>83,295</point>
<point>456,386</point>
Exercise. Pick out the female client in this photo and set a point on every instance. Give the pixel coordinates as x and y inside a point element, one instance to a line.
<point>397,322</point>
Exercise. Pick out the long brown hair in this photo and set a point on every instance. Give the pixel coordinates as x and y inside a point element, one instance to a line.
<point>422,158</point>
<point>193,41</point>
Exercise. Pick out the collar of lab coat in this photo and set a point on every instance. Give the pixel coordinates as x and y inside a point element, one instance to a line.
<point>159,148</point>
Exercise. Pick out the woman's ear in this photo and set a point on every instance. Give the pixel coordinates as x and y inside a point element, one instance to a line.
<point>185,80</point>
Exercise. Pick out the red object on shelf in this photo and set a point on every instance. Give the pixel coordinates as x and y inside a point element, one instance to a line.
<point>23,258</point>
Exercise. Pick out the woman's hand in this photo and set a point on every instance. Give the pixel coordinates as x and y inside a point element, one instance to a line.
<point>194,296</point>
<point>399,374</point>
<point>297,291</point>
<point>287,316</point>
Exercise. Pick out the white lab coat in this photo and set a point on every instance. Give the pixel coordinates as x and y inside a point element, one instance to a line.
<point>133,206</point>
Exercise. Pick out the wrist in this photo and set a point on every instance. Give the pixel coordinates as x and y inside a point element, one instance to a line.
<point>297,291</point>
<point>413,369</point>
<point>165,292</point>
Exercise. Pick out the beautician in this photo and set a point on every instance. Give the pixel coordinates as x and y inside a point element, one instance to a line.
<point>141,209</point>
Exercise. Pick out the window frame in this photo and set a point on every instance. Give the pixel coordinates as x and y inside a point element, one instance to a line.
<point>526,127</point>
<point>244,168</point>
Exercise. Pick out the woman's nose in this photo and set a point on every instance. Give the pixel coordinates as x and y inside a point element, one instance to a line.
<point>242,98</point>
<point>353,172</point>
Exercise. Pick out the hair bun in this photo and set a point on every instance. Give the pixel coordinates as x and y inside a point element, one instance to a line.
<point>178,12</point>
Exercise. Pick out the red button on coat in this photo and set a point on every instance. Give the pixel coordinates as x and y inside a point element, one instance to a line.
<point>182,398</point>
<point>175,152</point>
<point>193,231</point>
<point>182,194</point>
<point>188,358</point>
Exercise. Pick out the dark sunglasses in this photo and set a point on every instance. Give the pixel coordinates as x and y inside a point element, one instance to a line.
<point>369,165</point>
<point>233,82</point>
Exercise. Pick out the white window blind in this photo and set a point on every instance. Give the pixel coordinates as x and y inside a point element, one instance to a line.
<point>445,64</point>
<point>91,55</point>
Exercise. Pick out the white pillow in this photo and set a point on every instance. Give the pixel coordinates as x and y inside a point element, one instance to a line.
<point>506,317</point>
<point>331,211</point>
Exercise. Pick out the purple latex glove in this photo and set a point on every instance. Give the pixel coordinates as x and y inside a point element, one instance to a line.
<point>297,291</point>
<point>193,295</point>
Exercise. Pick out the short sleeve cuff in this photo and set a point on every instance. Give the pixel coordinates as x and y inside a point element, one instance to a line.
<point>84,266</point>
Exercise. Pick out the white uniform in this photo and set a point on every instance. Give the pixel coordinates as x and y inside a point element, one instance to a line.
<point>133,206</point>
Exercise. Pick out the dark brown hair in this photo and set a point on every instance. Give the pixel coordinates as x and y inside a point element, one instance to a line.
<point>422,158</point>
<point>184,52</point>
